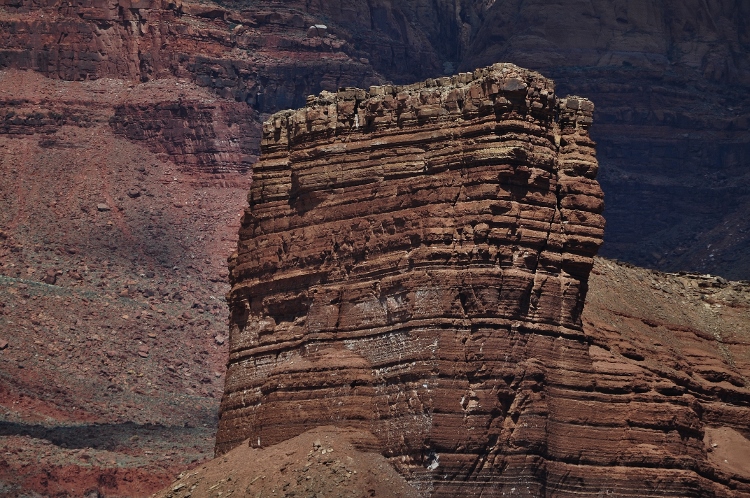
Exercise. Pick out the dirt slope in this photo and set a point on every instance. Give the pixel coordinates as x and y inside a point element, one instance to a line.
<point>112,283</point>
<point>326,462</point>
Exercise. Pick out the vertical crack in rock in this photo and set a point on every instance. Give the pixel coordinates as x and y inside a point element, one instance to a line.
<point>413,262</point>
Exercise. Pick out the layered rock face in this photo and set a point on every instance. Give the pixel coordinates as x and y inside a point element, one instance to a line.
<point>213,136</point>
<point>670,80</point>
<point>414,262</point>
<point>260,56</point>
<point>669,383</point>
<point>174,119</point>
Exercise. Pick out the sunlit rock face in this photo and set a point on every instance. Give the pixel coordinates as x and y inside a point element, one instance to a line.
<point>414,261</point>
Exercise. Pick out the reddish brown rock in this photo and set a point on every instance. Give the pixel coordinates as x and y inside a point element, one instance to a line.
<point>670,80</point>
<point>77,341</point>
<point>213,136</point>
<point>260,56</point>
<point>174,119</point>
<point>668,379</point>
<point>414,262</point>
<point>51,276</point>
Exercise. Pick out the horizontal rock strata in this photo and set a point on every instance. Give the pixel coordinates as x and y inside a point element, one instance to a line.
<point>670,81</point>
<point>174,119</point>
<point>414,261</point>
<point>259,55</point>
<point>212,136</point>
<point>667,403</point>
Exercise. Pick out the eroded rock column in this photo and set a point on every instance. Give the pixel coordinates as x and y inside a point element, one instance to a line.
<point>414,261</point>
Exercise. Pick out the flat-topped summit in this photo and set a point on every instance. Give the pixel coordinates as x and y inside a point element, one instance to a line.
<point>498,88</point>
<point>414,262</point>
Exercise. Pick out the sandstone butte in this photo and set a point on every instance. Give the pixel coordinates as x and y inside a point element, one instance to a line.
<point>413,263</point>
<point>683,337</point>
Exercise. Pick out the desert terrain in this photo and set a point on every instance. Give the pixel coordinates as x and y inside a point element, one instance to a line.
<point>128,132</point>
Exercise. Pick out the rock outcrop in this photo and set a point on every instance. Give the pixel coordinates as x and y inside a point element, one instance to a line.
<point>174,119</point>
<point>414,262</point>
<point>260,56</point>
<point>207,136</point>
<point>668,401</point>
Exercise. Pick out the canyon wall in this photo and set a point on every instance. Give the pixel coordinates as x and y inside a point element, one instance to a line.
<point>414,261</point>
<point>261,56</point>
<point>175,120</point>
<point>214,137</point>
<point>671,83</point>
<point>670,80</point>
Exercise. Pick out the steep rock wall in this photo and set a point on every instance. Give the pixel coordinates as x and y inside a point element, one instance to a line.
<point>260,56</point>
<point>670,80</point>
<point>197,135</point>
<point>414,262</point>
<point>175,119</point>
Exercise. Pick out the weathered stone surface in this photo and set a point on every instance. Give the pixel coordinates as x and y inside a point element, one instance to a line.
<point>260,56</point>
<point>670,80</point>
<point>175,119</point>
<point>414,261</point>
<point>667,407</point>
<point>214,136</point>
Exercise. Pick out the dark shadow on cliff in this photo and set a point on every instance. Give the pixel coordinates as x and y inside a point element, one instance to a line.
<point>99,436</point>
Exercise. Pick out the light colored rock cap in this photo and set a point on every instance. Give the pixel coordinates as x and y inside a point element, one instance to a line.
<point>500,88</point>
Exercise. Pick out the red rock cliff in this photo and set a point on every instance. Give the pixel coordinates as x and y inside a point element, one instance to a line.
<point>414,261</point>
<point>261,56</point>
<point>670,80</point>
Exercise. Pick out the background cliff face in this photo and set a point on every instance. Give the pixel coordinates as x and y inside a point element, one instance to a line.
<point>670,80</point>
